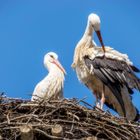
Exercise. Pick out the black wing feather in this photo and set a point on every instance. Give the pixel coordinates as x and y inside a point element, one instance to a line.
<point>114,86</point>
<point>115,74</point>
<point>116,70</point>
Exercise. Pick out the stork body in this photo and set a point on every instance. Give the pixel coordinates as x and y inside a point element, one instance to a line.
<point>51,87</point>
<point>108,73</point>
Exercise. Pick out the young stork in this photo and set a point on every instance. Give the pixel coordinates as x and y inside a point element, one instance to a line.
<point>51,87</point>
<point>108,73</point>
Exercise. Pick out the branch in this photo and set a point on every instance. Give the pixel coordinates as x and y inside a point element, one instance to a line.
<point>26,132</point>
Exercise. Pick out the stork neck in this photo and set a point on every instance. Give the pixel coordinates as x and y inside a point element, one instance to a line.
<point>54,75</point>
<point>55,72</point>
<point>89,30</point>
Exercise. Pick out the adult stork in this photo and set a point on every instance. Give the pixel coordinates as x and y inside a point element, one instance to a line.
<point>51,87</point>
<point>109,74</point>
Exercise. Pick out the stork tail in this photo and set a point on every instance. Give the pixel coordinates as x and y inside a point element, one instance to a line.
<point>130,110</point>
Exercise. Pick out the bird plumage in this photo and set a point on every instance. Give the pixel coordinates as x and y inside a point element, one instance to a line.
<point>109,74</point>
<point>51,87</point>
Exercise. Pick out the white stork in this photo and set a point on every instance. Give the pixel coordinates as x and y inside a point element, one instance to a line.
<point>51,87</point>
<point>109,74</point>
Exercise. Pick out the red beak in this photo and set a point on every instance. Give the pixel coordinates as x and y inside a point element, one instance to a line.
<point>101,41</point>
<point>57,63</point>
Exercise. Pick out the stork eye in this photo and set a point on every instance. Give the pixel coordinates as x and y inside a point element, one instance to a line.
<point>51,56</point>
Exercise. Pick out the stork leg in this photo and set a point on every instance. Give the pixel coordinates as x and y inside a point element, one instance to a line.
<point>98,105</point>
<point>97,100</point>
<point>103,97</point>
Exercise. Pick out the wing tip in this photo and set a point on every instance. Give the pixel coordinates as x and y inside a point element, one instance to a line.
<point>135,69</point>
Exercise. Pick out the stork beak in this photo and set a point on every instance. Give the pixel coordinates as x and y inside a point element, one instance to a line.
<point>57,63</point>
<point>101,41</point>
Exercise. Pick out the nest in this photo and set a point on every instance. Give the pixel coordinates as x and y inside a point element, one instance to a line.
<point>61,119</point>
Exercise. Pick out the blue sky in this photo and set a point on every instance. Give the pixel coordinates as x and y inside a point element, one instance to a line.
<point>31,28</point>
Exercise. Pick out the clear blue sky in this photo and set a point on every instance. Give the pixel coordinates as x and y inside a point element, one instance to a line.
<point>31,28</point>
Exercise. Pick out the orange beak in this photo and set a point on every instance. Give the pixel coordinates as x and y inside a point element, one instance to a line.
<point>57,63</point>
<point>101,41</point>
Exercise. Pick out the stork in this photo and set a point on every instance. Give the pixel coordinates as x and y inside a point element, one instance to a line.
<point>109,74</point>
<point>51,87</point>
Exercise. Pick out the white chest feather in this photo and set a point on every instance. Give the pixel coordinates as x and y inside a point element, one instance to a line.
<point>82,72</point>
<point>50,87</point>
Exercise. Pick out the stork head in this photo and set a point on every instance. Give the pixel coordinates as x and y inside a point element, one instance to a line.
<point>94,21</point>
<point>51,62</point>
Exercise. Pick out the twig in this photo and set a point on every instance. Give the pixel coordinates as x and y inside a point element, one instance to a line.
<point>47,135</point>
